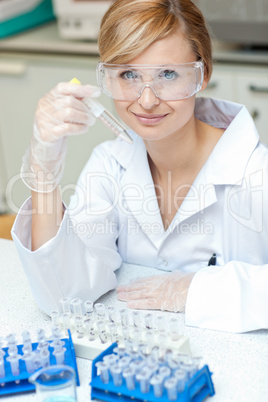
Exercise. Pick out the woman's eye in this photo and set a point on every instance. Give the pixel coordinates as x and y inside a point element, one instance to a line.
<point>169,74</point>
<point>128,75</point>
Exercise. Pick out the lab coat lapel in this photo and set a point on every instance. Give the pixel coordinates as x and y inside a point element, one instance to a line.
<point>200,196</point>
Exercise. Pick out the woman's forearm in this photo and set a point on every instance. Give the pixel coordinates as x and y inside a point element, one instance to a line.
<point>46,216</point>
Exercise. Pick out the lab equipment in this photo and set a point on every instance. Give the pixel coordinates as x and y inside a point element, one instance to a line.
<point>15,369</point>
<point>235,21</point>
<point>93,331</point>
<point>168,82</point>
<point>18,15</point>
<point>106,117</point>
<point>80,19</point>
<point>55,383</point>
<point>142,381</point>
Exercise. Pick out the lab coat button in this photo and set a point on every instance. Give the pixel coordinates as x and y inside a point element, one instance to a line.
<point>165,263</point>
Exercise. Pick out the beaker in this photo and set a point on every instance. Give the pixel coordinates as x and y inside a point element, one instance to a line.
<point>55,383</point>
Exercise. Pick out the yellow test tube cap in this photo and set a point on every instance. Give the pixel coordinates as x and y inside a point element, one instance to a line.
<point>75,81</point>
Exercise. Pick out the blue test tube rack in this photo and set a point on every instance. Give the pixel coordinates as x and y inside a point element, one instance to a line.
<point>16,384</point>
<point>197,388</point>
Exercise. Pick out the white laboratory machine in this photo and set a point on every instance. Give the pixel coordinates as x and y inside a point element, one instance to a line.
<point>80,19</point>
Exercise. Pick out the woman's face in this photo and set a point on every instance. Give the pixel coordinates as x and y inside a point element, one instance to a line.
<point>150,117</point>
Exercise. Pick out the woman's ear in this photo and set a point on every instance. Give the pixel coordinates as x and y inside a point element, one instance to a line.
<point>205,82</point>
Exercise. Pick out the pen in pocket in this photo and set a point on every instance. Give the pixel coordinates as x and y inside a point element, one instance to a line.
<point>213,259</point>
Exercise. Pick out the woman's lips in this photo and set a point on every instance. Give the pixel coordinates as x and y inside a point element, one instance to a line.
<point>149,119</point>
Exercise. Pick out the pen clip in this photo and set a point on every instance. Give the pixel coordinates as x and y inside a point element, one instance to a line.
<point>212,260</point>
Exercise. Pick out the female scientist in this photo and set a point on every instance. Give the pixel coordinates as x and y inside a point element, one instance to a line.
<point>193,183</point>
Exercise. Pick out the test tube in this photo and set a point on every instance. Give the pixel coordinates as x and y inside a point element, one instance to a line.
<point>2,367</point>
<point>149,337</point>
<point>111,313</point>
<point>124,317</point>
<point>137,334</point>
<point>88,306</point>
<point>29,359</point>
<point>45,358</point>
<point>2,361</point>
<point>102,332</point>
<point>56,333</point>
<point>65,304</point>
<point>55,318</point>
<point>181,377</point>
<point>136,316</point>
<point>26,336</point>
<point>174,330</point>
<point>14,363</point>
<point>152,364</point>
<point>41,336</point>
<point>148,321</point>
<point>59,355</point>
<point>27,348</point>
<point>110,359</point>
<point>66,320</point>
<point>113,332</point>
<point>125,334</point>
<point>164,372</point>
<point>171,386</point>
<point>116,372</point>
<point>45,345</point>
<point>174,362</point>
<point>79,326</point>
<point>12,344</point>
<point>120,350</point>
<point>11,339</point>
<point>189,369</point>
<point>90,329</point>
<point>145,350</point>
<point>129,376</point>
<point>124,362</point>
<point>57,344</point>
<point>160,323</point>
<point>143,377</point>
<point>103,369</point>
<point>76,305</point>
<point>157,382</point>
<point>100,309</point>
<point>196,360</point>
<point>137,365</point>
<point>162,342</point>
<point>13,350</point>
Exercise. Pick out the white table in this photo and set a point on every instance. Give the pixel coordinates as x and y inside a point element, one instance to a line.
<point>239,361</point>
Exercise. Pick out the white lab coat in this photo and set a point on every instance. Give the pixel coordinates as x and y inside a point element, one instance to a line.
<point>115,217</point>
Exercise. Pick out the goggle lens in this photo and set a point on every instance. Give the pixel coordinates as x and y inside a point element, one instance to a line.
<point>168,82</point>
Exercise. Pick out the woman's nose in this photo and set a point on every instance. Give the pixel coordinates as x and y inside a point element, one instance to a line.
<point>147,98</point>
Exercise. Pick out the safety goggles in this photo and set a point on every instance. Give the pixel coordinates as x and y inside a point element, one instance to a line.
<point>169,82</point>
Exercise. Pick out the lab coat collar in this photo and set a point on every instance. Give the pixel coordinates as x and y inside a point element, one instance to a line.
<point>226,165</point>
<point>229,158</point>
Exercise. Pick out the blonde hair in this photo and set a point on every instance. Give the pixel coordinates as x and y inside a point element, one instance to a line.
<point>130,26</point>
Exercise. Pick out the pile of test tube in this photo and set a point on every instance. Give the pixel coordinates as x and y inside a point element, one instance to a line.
<point>18,362</point>
<point>95,326</point>
<point>140,373</point>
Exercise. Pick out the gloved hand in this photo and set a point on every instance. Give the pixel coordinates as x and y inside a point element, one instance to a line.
<point>59,114</point>
<point>161,292</point>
